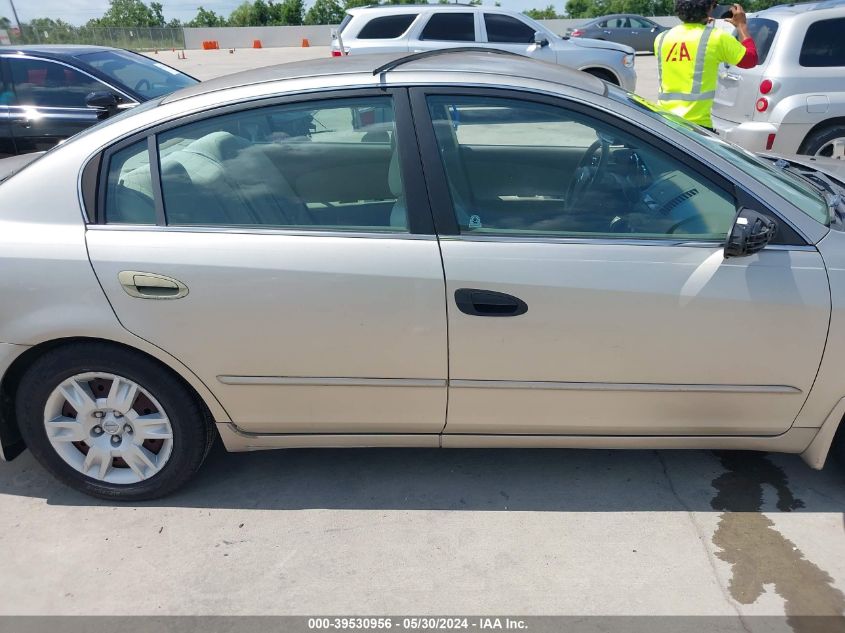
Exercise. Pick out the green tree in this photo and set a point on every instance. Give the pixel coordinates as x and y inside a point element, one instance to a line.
<point>158,16</point>
<point>241,15</point>
<point>129,13</point>
<point>204,17</point>
<point>325,12</point>
<point>291,11</point>
<point>577,8</point>
<point>548,13</point>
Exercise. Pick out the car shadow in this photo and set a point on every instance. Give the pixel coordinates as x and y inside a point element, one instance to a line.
<point>544,480</point>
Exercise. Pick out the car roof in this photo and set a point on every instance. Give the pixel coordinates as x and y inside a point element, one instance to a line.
<point>444,61</point>
<point>406,8</point>
<point>55,50</point>
<point>801,7</point>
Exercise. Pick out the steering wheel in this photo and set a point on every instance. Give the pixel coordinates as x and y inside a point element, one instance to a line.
<point>587,172</point>
<point>142,82</point>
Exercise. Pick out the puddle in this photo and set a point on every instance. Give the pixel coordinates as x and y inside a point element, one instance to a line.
<point>761,558</point>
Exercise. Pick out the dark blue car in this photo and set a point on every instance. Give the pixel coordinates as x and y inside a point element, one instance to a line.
<point>48,93</point>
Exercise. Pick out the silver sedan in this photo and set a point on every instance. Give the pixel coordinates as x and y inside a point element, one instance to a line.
<point>329,253</point>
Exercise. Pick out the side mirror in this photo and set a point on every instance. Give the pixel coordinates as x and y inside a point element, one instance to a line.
<point>750,234</point>
<point>654,29</point>
<point>540,39</point>
<point>104,101</point>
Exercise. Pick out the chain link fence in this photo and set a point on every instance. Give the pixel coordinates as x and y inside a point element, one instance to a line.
<point>134,38</point>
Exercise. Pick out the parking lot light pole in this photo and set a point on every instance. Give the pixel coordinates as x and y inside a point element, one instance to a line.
<point>17,20</point>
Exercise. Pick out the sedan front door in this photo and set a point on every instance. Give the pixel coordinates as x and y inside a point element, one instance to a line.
<point>288,259</point>
<point>7,97</point>
<point>49,104</point>
<point>587,289</point>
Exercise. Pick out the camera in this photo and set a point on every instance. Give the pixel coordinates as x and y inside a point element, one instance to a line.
<point>722,12</point>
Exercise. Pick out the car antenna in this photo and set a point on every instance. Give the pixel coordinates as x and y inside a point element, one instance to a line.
<point>394,63</point>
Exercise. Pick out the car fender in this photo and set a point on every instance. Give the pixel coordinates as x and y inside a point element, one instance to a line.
<point>825,406</point>
<point>795,109</point>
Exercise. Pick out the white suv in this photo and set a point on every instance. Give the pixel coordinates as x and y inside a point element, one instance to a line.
<point>417,28</point>
<point>794,100</point>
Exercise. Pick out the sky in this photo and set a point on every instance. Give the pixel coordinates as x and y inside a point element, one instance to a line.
<point>80,11</point>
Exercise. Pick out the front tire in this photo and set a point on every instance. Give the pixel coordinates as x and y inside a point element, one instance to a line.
<point>111,422</point>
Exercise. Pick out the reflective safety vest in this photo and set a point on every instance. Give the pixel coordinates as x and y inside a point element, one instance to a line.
<point>688,58</point>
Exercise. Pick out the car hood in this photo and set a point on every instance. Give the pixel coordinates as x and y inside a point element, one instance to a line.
<point>12,165</point>
<point>833,167</point>
<point>586,42</point>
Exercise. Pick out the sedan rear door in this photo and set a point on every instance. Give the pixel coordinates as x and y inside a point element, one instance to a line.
<point>587,289</point>
<point>286,256</point>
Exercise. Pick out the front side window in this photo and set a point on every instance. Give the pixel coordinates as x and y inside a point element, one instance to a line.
<point>824,45</point>
<point>143,75</point>
<point>505,29</point>
<point>524,168</point>
<point>387,27</point>
<point>39,82</point>
<point>450,27</point>
<point>786,186</point>
<point>324,165</point>
<point>641,24</point>
<point>7,95</point>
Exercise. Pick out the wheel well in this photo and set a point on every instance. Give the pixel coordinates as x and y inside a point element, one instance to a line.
<point>819,126</point>
<point>9,435</point>
<point>603,73</point>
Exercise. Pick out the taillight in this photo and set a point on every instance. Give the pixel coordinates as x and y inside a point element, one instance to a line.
<point>337,54</point>
<point>770,141</point>
<point>766,86</point>
<point>577,33</point>
<point>762,104</point>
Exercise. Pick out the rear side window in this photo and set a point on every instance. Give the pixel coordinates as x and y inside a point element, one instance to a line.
<point>387,27</point>
<point>450,27</point>
<point>763,32</point>
<point>129,187</point>
<point>824,45</point>
<point>39,82</point>
<point>505,29</point>
<point>320,165</point>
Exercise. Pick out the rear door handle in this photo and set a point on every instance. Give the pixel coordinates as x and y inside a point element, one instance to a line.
<point>151,286</point>
<point>489,303</point>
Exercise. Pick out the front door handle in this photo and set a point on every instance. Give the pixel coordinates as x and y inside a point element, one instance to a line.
<point>488,303</point>
<point>151,286</point>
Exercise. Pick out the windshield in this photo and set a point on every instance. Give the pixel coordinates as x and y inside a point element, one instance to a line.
<point>141,74</point>
<point>789,187</point>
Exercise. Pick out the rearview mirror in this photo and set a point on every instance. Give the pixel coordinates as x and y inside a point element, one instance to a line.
<point>750,234</point>
<point>540,39</point>
<point>104,101</point>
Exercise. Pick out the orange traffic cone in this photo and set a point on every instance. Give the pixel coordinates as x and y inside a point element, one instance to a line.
<point>256,44</point>
<point>305,42</point>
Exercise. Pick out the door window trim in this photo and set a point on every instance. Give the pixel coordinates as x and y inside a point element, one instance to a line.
<point>420,221</point>
<point>441,201</point>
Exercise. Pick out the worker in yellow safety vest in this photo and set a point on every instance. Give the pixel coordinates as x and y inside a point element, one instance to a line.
<point>688,58</point>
